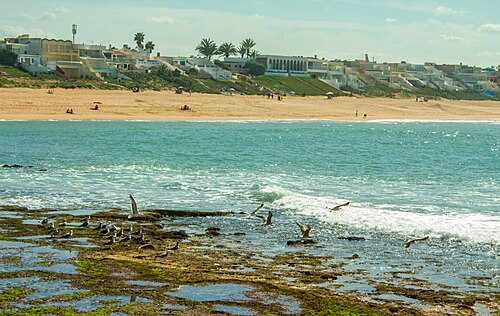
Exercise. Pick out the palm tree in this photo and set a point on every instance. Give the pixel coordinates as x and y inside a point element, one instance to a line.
<point>227,49</point>
<point>248,44</point>
<point>139,38</point>
<point>242,50</point>
<point>150,46</point>
<point>254,54</point>
<point>207,48</point>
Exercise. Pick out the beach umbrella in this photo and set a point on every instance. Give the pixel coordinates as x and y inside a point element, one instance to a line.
<point>330,93</point>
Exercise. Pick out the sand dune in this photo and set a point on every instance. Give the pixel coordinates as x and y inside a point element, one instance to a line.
<point>37,104</point>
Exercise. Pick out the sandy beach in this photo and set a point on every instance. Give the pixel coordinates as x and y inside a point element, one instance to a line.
<point>38,104</point>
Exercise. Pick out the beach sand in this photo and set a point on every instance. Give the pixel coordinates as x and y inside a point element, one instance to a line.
<point>38,104</point>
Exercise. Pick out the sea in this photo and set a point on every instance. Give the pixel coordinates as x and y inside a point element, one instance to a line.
<point>403,179</point>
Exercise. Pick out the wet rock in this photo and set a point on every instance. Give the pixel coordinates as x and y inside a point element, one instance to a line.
<point>213,231</point>
<point>12,166</point>
<point>353,238</point>
<point>353,257</point>
<point>189,213</point>
<point>13,208</point>
<point>328,276</point>
<point>303,241</point>
<point>239,234</point>
<point>179,234</point>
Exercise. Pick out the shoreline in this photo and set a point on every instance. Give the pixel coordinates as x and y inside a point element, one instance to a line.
<point>37,104</point>
<point>209,255</point>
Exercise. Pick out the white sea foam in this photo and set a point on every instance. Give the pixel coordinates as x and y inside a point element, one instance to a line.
<point>473,228</point>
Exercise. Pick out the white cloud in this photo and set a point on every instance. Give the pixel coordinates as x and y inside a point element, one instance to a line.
<point>490,27</point>
<point>160,19</point>
<point>391,20</point>
<point>451,38</point>
<point>47,15</point>
<point>256,17</point>
<point>61,9</point>
<point>444,11</point>
<point>489,54</point>
<point>14,31</point>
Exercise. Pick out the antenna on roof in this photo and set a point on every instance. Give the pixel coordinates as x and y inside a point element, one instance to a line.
<point>73,30</point>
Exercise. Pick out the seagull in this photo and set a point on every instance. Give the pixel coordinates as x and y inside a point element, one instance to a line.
<point>119,231</point>
<point>133,206</point>
<point>67,235</point>
<point>338,207</point>
<point>99,226</point>
<point>85,223</point>
<point>410,242</point>
<point>266,219</point>
<point>51,226</point>
<point>105,230</point>
<point>125,239</point>
<point>147,247</point>
<point>305,229</point>
<point>63,224</point>
<point>112,228</point>
<point>45,221</point>
<point>55,232</point>
<point>174,247</point>
<point>252,213</point>
<point>138,232</point>
<point>111,241</point>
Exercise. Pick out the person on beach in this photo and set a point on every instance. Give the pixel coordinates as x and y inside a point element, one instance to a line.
<point>364,116</point>
<point>356,115</point>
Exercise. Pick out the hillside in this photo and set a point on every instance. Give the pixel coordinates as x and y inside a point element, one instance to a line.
<point>12,77</point>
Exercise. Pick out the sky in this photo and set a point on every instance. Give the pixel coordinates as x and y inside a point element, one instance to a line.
<point>417,31</point>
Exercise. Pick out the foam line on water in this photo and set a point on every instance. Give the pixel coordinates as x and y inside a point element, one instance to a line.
<point>474,228</point>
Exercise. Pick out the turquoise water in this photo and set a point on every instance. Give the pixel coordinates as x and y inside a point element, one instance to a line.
<point>403,178</point>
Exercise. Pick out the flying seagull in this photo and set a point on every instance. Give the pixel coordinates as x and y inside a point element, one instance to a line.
<point>338,207</point>
<point>410,242</point>
<point>305,229</point>
<point>252,213</point>
<point>266,219</point>
<point>133,206</point>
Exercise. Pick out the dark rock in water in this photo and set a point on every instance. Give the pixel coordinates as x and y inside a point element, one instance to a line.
<point>354,256</point>
<point>12,166</point>
<point>213,231</point>
<point>147,217</point>
<point>192,213</point>
<point>303,241</point>
<point>353,238</point>
<point>13,208</point>
<point>178,234</point>
<point>239,234</point>
<point>327,276</point>
<point>42,169</point>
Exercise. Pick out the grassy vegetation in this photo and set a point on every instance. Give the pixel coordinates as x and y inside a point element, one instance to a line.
<point>11,77</point>
<point>299,85</point>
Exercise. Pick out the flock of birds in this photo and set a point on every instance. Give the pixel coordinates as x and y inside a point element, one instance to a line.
<point>117,234</point>
<point>306,229</point>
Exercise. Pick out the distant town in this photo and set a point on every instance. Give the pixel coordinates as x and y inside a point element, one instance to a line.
<point>71,60</point>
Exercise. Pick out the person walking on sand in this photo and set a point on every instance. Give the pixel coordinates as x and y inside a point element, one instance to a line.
<point>356,113</point>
